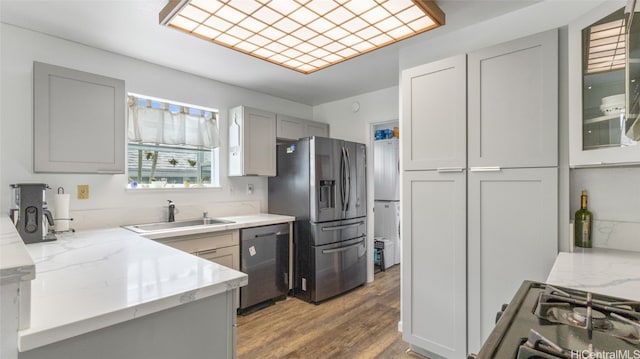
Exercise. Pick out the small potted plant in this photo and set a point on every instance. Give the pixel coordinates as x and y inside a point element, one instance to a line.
<point>154,183</point>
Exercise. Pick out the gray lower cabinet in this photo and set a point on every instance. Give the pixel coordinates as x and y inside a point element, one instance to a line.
<point>512,236</point>
<point>78,122</point>
<point>200,329</point>
<point>220,247</point>
<point>433,257</point>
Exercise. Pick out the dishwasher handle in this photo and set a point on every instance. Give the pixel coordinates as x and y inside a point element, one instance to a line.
<point>270,234</point>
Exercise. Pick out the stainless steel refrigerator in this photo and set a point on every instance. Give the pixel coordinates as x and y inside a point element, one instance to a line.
<point>386,170</point>
<point>322,182</point>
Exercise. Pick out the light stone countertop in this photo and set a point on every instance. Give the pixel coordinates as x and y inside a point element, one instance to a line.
<point>15,262</point>
<point>90,280</point>
<point>606,271</point>
<point>246,221</point>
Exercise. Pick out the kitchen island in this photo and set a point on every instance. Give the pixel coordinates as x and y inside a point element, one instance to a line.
<point>113,294</point>
<point>599,270</point>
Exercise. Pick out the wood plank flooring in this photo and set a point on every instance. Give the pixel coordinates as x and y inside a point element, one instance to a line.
<point>360,324</point>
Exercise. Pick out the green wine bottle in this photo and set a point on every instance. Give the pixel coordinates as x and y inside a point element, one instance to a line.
<point>583,224</point>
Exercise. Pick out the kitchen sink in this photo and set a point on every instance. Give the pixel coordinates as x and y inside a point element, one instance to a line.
<point>151,227</point>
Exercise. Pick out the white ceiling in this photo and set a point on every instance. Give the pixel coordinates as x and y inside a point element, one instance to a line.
<point>130,27</point>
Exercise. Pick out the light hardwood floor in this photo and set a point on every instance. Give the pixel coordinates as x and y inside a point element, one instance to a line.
<point>360,324</point>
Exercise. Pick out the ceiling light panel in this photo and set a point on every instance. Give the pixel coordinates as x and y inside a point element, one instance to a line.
<point>304,35</point>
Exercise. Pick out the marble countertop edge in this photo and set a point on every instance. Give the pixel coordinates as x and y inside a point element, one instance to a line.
<point>599,270</point>
<point>33,338</point>
<point>15,262</point>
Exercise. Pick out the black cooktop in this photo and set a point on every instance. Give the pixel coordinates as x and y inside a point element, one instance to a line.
<point>544,321</point>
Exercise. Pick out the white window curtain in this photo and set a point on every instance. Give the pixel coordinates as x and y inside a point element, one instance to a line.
<point>160,126</point>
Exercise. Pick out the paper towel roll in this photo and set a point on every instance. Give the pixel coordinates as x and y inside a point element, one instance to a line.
<point>61,212</point>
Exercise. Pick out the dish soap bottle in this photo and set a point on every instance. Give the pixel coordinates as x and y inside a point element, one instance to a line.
<point>583,224</point>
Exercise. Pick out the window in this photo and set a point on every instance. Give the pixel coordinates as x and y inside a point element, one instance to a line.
<point>171,145</point>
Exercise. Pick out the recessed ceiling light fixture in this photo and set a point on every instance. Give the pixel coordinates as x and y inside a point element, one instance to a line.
<point>303,35</point>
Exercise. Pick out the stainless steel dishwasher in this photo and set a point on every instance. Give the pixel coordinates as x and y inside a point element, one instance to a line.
<point>264,257</point>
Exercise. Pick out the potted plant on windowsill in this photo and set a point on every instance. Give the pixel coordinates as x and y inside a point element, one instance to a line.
<point>154,183</point>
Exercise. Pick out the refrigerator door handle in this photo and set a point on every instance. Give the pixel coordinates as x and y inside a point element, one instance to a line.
<point>348,180</point>
<point>343,182</point>
<point>342,249</point>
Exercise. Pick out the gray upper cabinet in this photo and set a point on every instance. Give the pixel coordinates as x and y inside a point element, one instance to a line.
<point>292,128</point>
<point>316,129</point>
<point>434,110</point>
<point>252,142</point>
<point>79,121</point>
<point>513,103</point>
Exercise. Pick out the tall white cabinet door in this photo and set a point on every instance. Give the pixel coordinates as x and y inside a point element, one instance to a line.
<point>434,257</point>
<point>433,115</point>
<point>513,103</point>
<point>512,236</point>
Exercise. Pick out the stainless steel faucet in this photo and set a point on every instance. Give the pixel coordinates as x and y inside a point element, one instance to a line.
<point>172,211</point>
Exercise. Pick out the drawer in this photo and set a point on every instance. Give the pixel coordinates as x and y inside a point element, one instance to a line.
<point>203,242</point>
<point>227,256</point>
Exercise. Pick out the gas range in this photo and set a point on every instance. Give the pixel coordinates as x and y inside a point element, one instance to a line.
<point>543,321</point>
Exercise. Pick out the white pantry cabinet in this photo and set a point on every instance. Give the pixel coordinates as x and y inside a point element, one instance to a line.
<point>78,121</point>
<point>252,142</point>
<point>467,196</point>
<point>434,232</point>
<point>292,128</point>
<point>512,219</point>
<point>513,103</point>
<point>434,112</point>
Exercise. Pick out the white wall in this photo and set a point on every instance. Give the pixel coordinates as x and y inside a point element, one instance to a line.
<point>109,203</point>
<point>374,107</point>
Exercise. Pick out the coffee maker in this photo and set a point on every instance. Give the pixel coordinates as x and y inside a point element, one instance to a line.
<point>30,214</point>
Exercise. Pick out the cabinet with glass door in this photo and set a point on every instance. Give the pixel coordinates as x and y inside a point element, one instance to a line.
<point>604,80</point>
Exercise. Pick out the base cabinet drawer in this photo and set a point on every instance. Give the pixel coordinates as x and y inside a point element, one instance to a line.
<point>222,247</point>
<point>203,242</point>
<point>227,256</point>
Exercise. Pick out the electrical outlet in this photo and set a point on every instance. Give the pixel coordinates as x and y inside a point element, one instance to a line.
<point>250,188</point>
<point>83,191</point>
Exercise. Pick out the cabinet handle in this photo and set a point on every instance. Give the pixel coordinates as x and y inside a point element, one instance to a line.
<point>208,251</point>
<point>485,169</point>
<point>109,172</point>
<point>344,226</point>
<point>449,169</point>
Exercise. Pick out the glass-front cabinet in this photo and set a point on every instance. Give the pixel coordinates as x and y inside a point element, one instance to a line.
<point>604,86</point>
